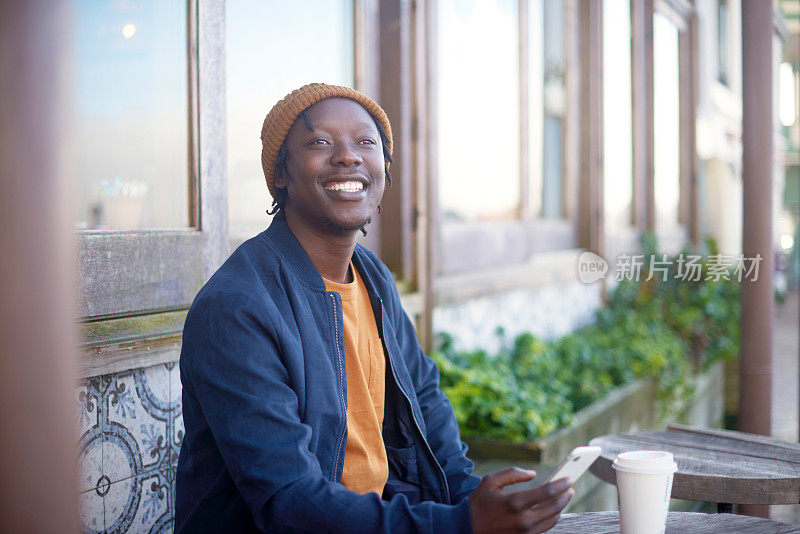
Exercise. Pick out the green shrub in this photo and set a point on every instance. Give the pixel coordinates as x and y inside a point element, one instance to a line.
<point>662,329</point>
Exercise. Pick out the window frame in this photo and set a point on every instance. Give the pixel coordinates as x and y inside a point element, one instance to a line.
<point>456,242</point>
<point>136,286</point>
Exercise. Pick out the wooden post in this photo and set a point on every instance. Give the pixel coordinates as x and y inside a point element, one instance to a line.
<point>591,227</point>
<point>396,98</point>
<point>423,207</point>
<point>757,295</point>
<point>38,457</point>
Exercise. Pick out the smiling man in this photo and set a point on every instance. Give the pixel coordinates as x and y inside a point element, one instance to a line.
<point>307,401</point>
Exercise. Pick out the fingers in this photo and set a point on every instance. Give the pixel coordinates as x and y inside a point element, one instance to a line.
<point>545,515</point>
<point>535,510</point>
<point>545,492</point>
<point>511,475</point>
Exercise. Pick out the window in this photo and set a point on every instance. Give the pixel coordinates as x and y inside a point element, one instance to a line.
<point>129,114</point>
<point>502,131</point>
<point>617,113</point>
<point>144,66</point>
<point>666,124</point>
<point>272,48</point>
<point>549,201</point>
<point>478,110</point>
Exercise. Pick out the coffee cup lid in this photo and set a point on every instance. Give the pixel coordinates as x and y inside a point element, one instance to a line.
<point>645,462</point>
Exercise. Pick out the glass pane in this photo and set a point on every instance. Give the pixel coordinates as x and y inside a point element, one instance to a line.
<point>552,187</point>
<point>129,114</point>
<point>723,40</point>
<point>273,47</point>
<point>666,117</point>
<point>478,109</point>
<point>617,125</point>
<point>547,103</point>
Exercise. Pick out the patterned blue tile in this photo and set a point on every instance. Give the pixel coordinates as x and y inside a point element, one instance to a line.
<point>90,445</point>
<point>175,387</point>
<point>90,465</point>
<point>145,503</point>
<point>91,512</point>
<point>130,428</point>
<point>177,435</point>
<point>176,430</point>
<point>86,408</point>
<point>154,507</point>
<point>117,459</point>
<point>138,411</point>
<point>120,503</point>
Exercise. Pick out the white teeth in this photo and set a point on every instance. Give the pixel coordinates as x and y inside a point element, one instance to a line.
<point>350,187</point>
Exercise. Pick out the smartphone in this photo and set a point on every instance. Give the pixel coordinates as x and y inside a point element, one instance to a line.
<point>574,465</point>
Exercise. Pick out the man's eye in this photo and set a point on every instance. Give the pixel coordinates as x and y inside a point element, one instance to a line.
<point>367,141</point>
<point>319,142</point>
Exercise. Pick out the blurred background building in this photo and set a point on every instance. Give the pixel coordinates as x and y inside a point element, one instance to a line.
<point>526,131</point>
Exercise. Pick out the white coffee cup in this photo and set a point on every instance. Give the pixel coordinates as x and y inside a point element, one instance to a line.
<point>644,483</point>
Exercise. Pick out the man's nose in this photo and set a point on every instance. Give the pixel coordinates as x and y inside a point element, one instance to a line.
<point>346,155</point>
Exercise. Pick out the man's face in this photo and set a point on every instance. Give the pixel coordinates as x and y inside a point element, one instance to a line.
<point>335,174</point>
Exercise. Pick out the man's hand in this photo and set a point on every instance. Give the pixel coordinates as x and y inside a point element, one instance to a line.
<point>534,510</point>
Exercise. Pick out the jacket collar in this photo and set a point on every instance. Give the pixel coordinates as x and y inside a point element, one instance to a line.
<point>292,252</point>
<point>289,248</point>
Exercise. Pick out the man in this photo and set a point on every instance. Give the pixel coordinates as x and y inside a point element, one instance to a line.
<point>307,401</point>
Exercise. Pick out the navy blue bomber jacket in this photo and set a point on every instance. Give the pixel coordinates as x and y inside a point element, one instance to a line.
<point>264,400</point>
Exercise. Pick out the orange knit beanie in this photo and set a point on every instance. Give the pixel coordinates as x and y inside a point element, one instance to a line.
<point>283,114</point>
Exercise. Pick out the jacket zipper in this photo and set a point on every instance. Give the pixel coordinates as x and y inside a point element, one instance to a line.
<point>341,390</point>
<point>413,415</point>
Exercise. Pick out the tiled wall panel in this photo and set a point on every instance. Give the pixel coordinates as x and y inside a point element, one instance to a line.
<point>130,427</point>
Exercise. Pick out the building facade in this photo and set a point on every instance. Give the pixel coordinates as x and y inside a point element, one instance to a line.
<point>526,132</point>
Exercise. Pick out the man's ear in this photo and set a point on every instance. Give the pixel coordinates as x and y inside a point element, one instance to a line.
<point>281,178</point>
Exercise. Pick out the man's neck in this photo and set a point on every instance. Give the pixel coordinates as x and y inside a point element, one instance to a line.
<point>330,252</point>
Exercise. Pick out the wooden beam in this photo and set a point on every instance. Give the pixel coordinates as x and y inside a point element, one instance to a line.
<point>422,206</point>
<point>591,186</point>
<point>396,99</point>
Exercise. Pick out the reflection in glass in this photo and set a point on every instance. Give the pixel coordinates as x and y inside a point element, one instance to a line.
<point>274,47</point>
<point>478,109</point>
<point>547,106</point>
<point>617,125</point>
<point>129,114</point>
<point>666,117</point>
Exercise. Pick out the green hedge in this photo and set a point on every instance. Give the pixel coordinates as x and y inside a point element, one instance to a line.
<point>664,329</point>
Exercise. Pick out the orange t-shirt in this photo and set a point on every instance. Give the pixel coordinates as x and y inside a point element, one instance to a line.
<point>365,465</point>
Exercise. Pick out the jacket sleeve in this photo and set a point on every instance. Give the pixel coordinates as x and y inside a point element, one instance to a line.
<point>231,363</point>
<point>440,420</point>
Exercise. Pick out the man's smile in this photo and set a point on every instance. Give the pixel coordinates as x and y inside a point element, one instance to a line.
<point>346,186</point>
<point>349,186</point>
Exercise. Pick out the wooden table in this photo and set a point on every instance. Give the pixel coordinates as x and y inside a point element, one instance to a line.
<point>718,466</point>
<point>677,523</point>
